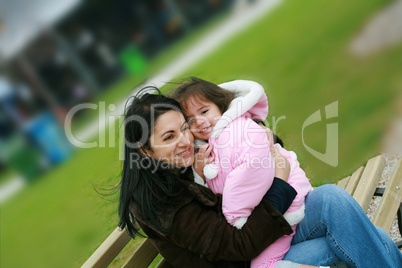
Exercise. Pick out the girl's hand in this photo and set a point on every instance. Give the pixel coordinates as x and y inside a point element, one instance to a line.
<point>202,158</point>
<point>282,165</point>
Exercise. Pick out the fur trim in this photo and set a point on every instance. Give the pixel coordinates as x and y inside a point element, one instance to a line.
<point>295,217</point>
<point>198,143</point>
<point>211,171</point>
<point>294,160</point>
<point>249,93</point>
<point>240,222</point>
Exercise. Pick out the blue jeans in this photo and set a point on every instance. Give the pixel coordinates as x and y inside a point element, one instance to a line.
<point>335,228</point>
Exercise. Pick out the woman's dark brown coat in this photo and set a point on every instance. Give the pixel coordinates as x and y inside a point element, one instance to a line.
<point>199,235</point>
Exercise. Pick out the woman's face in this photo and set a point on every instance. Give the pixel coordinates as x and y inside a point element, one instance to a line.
<point>172,141</point>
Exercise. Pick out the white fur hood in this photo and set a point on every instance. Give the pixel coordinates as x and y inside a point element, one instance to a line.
<point>250,97</point>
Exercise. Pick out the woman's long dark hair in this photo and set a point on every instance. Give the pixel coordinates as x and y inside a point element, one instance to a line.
<point>145,181</point>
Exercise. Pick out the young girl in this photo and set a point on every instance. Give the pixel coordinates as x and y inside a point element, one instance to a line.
<point>242,169</point>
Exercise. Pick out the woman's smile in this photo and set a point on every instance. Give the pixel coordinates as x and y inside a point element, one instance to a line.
<point>185,153</point>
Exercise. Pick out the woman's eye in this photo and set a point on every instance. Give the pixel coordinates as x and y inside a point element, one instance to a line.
<point>168,137</point>
<point>185,126</point>
<point>204,112</point>
<point>190,121</point>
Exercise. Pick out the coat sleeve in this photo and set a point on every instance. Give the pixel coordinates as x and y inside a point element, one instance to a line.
<point>176,255</point>
<point>280,195</point>
<point>204,231</point>
<point>181,257</point>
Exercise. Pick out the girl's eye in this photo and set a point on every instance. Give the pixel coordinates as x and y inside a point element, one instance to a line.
<point>204,112</point>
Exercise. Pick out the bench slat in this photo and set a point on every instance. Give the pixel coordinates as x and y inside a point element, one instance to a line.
<point>108,250</point>
<point>354,179</point>
<point>369,180</point>
<point>391,200</point>
<point>143,256</point>
<point>361,185</point>
<point>344,182</point>
<point>164,264</point>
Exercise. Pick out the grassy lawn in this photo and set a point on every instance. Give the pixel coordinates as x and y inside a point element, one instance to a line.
<point>299,53</point>
<point>58,220</point>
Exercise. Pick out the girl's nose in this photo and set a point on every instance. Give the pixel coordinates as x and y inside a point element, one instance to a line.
<point>184,141</point>
<point>199,121</point>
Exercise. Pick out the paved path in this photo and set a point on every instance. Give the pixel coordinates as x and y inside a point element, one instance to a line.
<point>392,152</point>
<point>382,31</point>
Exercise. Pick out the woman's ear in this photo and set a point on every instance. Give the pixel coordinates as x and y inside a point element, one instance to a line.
<point>145,152</point>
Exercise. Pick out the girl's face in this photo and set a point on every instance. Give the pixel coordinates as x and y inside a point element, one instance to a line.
<point>172,141</point>
<point>202,117</point>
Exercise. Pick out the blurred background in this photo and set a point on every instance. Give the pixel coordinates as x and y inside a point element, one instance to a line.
<point>59,202</point>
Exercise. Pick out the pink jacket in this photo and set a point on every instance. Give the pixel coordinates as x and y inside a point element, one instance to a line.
<point>243,170</point>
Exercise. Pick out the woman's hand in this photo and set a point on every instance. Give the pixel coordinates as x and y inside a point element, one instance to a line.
<point>270,136</point>
<point>282,165</point>
<point>202,158</point>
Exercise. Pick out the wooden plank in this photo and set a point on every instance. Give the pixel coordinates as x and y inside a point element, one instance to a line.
<point>354,179</point>
<point>361,185</point>
<point>391,200</point>
<point>164,264</point>
<point>343,183</point>
<point>143,256</point>
<point>368,181</point>
<point>109,249</point>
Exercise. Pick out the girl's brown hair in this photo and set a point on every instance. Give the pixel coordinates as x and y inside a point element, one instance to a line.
<point>203,90</point>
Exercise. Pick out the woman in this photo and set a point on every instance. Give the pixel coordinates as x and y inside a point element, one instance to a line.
<point>157,191</point>
<point>184,220</point>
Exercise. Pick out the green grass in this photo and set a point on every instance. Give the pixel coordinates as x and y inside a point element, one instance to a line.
<point>59,219</point>
<point>299,53</point>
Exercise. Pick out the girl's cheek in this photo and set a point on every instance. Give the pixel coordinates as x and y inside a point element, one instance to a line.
<point>193,131</point>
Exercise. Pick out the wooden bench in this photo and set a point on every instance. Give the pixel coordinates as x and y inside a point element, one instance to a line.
<point>362,185</point>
